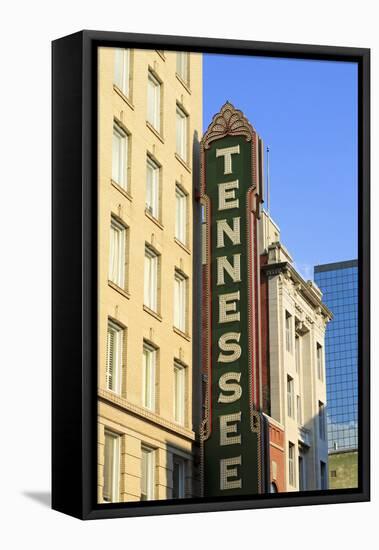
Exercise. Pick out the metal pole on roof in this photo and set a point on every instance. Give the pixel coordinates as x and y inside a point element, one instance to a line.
<point>268,196</point>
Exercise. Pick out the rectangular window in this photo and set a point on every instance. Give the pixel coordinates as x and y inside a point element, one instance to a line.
<point>299,415</point>
<point>154,101</point>
<point>151,279</point>
<point>113,369</point>
<point>297,353</point>
<point>148,376</point>
<point>182,66</point>
<point>178,478</point>
<point>111,467</point>
<point>301,473</point>
<point>323,479</point>
<point>320,370</point>
<point>122,70</point>
<point>181,215</point>
<point>117,253</point>
<point>291,464</point>
<point>147,473</point>
<point>152,188</point>
<point>180,300</point>
<point>321,419</point>
<point>181,133</point>
<point>288,332</point>
<point>120,156</point>
<point>290,397</point>
<point>179,393</point>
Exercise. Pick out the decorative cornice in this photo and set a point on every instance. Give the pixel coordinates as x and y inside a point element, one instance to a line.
<point>123,404</point>
<point>228,122</point>
<point>306,290</point>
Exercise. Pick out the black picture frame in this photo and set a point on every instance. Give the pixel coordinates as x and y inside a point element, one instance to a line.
<point>74,272</point>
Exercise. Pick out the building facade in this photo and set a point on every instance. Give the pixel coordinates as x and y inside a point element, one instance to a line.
<point>339,284</point>
<point>294,398</point>
<point>149,120</point>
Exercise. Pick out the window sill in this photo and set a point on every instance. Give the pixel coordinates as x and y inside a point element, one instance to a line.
<point>183,83</point>
<point>182,425</point>
<point>155,131</point>
<point>179,243</point>
<point>123,191</point>
<point>118,289</point>
<point>152,313</point>
<point>115,393</point>
<point>182,334</point>
<point>154,220</point>
<point>123,96</point>
<point>183,163</point>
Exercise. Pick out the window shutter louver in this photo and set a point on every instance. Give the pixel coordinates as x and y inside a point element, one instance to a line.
<point>110,359</point>
<point>114,354</point>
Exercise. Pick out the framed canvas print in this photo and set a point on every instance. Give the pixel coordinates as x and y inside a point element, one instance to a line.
<point>210,275</point>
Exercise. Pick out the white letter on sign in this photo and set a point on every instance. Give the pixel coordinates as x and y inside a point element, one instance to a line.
<point>226,194</point>
<point>233,234</point>
<point>227,304</point>
<point>224,386</point>
<point>234,270</point>
<point>224,346</point>
<point>228,425</point>
<point>227,153</point>
<point>226,472</point>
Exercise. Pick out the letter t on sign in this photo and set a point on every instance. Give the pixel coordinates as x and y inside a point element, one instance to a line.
<point>227,153</point>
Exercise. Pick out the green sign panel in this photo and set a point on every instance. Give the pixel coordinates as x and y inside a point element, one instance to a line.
<point>231,432</point>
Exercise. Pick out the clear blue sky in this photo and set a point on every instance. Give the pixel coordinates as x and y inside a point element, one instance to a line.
<point>306,112</point>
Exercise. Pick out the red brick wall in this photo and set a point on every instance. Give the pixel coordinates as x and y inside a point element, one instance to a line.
<point>276,442</point>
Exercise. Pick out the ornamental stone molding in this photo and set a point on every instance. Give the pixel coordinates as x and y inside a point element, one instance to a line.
<point>228,122</point>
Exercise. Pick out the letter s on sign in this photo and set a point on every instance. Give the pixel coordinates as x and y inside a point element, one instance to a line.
<point>225,387</point>
<point>234,348</point>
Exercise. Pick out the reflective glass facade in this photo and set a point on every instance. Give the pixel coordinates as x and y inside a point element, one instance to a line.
<point>339,285</point>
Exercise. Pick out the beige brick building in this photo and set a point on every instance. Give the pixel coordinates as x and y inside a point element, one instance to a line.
<point>150,117</point>
<point>296,323</point>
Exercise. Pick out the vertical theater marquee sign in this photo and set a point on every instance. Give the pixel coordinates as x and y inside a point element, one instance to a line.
<point>231,192</point>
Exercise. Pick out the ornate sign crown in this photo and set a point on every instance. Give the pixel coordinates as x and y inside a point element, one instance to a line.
<point>229,121</point>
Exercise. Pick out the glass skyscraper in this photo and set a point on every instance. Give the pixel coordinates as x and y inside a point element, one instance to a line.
<point>339,285</point>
